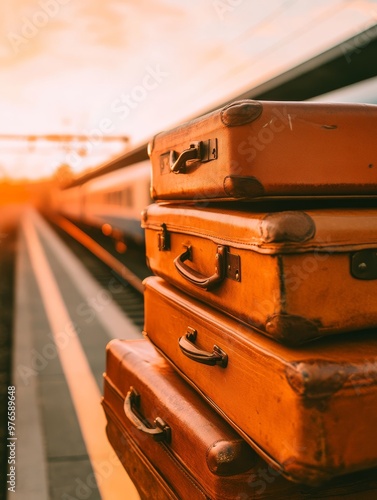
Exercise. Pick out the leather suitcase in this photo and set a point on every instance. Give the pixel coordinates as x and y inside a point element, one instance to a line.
<point>147,480</point>
<point>309,412</point>
<point>261,481</point>
<point>294,275</point>
<point>251,149</point>
<point>150,409</point>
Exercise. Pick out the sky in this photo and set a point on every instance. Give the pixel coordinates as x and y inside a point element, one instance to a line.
<point>135,67</point>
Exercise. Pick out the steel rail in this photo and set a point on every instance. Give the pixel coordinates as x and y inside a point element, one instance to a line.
<point>98,251</point>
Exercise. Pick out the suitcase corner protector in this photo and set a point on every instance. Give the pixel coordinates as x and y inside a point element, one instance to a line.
<point>317,380</point>
<point>287,226</point>
<point>237,186</point>
<point>241,112</point>
<point>226,458</point>
<point>290,329</point>
<point>150,145</point>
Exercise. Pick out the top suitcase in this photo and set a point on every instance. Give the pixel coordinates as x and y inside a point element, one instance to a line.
<point>252,149</point>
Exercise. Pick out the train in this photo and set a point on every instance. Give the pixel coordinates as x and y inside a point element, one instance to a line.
<point>113,196</point>
<point>112,202</point>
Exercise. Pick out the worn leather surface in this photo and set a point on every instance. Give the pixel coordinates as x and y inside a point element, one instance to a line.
<point>295,282</point>
<point>309,411</point>
<point>271,148</point>
<point>265,482</point>
<point>205,456</point>
<point>148,482</point>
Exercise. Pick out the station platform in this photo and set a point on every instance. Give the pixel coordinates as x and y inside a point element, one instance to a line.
<point>63,321</point>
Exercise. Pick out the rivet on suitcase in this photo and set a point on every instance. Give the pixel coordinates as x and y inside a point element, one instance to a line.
<point>251,149</point>
<point>294,275</point>
<point>310,412</point>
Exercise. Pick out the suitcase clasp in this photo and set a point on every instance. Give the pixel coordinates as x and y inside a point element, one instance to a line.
<point>163,238</point>
<point>203,151</point>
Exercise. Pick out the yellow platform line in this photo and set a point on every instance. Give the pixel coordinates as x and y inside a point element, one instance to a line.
<point>112,480</point>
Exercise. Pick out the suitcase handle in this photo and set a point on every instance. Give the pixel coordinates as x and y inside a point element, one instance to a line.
<point>161,431</point>
<point>178,163</point>
<point>199,279</point>
<point>189,349</point>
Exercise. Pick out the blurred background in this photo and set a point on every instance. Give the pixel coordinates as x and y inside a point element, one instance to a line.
<point>84,85</point>
<point>84,81</point>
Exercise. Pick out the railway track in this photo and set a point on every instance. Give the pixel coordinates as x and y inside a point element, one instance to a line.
<point>98,255</point>
<point>7,252</point>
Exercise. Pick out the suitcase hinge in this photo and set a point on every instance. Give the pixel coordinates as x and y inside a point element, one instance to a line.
<point>163,238</point>
<point>364,264</point>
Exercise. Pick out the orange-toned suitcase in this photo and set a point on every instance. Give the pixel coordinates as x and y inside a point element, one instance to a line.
<point>251,149</point>
<point>310,412</point>
<point>150,476</point>
<point>295,275</point>
<point>146,478</point>
<point>152,410</point>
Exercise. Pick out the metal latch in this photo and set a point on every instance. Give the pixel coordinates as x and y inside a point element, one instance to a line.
<point>364,264</point>
<point>203,151</point>
<point>233,266</point>
<point>163,238</point>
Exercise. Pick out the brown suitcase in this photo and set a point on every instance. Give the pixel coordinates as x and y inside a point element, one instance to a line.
<point>263,481</point>
<point>251,149</point>
<point>310,412</point>
<point>147,480</point>
<point>154,411</point>
<point>295,275</point>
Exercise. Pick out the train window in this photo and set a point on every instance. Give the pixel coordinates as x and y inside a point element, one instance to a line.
<point>128,196</point>
<point>114,198</point>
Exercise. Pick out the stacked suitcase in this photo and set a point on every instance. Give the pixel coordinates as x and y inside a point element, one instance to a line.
<point>264,247</point>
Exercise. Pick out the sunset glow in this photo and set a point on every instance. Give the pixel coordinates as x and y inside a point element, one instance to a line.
<point>134,68</point>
